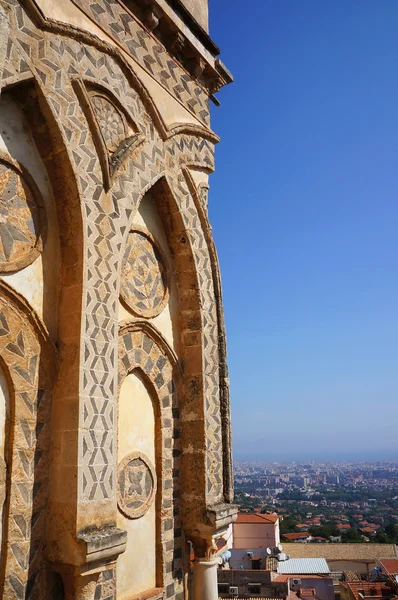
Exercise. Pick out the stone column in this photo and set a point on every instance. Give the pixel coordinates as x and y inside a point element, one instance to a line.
<point>205,580</point>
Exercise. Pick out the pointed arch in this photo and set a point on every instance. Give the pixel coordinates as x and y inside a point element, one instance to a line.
<point>50,137</point>
<point>29,360</point>
<point>143,348</point>
<point>57,27</point>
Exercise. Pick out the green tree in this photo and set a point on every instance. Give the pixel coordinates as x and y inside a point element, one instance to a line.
<point>391,531</point>
<point>352,536</point>
<point>288,525</point>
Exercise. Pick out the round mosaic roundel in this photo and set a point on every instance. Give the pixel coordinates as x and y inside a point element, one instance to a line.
<point>144,281</point>
<point>19,220</point>
<point>136,485</point>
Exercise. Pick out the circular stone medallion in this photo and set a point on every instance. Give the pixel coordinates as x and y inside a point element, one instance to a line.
<point>20,241</point>
<point>144,282</point>
<point>136,485</point>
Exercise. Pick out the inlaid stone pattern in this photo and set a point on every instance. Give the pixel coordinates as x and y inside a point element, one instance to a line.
<point>19,220</point>
<point>97,475</point>
<point>114,18</point>
<point>112,124</point>
<point>24,356</point>
<point>136,485</point>
<point>144,280</point>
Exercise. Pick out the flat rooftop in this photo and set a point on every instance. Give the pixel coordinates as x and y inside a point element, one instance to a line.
<point>303,566</point>
<point>368,552</point>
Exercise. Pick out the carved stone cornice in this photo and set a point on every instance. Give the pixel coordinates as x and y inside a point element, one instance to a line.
<point>102,546</point>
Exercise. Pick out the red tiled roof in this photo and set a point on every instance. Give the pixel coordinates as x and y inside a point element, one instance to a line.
<point>390,565</point>
<point>295,536</point>
<point>343,526</point>
<point>366,586</point>
<point>258,519</point>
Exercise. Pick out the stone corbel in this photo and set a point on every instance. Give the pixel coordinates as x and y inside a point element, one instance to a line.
<point>197,66</point>
<point>152,16</point>
<point>221,516</point>
<point>215,84</point>
<point>177,43</point>
<point>102,546</point>
<point>218,519</point>
<point>97,552</point>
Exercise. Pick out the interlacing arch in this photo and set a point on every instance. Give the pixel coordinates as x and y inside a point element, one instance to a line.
<point>29,362</point>
<point>106,221</point>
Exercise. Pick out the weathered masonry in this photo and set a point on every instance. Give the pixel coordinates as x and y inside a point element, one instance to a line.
<point>115,462</point>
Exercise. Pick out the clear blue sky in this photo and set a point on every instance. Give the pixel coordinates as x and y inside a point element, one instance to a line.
<point>304,209</point>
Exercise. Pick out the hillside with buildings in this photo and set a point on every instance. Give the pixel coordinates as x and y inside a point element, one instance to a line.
<point>330,502</point>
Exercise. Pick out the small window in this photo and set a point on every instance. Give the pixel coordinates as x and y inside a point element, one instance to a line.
<point>254,588</point>
<point>223,588</point>
<point>256,564</point>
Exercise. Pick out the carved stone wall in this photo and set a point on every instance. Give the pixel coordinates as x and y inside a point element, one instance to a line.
<point>106,136</point>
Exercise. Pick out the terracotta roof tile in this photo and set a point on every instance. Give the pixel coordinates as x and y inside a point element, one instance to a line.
<point>255,518</point>
<point>369,552</point>
<point>295,536</point>
<point>390,565</point>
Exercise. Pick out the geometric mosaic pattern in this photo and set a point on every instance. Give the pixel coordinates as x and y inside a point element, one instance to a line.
<point>149,53</point>
<point>29,365</point>
<point>139,350</point>
<point>143,285</point>
<point>19,220</point>
<point>136,481</point>
<point>107,220</point>
<point>105,235</point>
<point>53,61</point>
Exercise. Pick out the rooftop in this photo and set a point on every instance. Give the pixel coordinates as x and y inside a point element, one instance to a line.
<point>369,552</point>
<point>256,518</point>
<point>390,565</point>
<point>303,566</point>
<point>295,536</point>
<point>367,588</point>
<point>284,577</point>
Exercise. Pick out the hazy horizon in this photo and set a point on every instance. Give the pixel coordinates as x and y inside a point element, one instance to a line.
<point>361,457</point>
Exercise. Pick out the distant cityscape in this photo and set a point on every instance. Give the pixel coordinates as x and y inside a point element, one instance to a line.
<point>337,501</point>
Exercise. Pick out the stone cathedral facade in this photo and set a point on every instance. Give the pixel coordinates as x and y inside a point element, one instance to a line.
<point>115,462</point>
